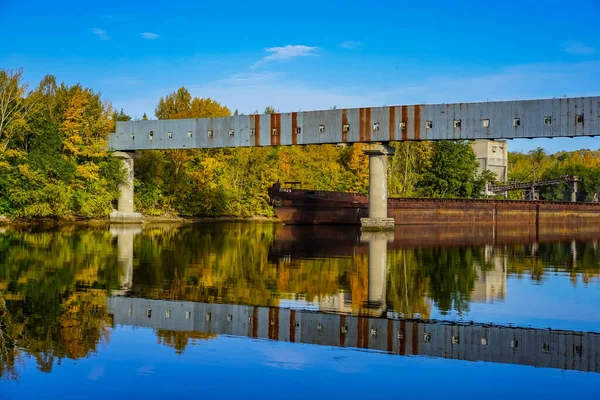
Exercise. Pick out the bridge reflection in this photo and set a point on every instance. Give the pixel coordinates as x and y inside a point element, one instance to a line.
<point>471,342</point>
<point>372,328</point>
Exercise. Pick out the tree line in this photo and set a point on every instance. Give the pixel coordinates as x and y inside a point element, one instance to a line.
<point>54,162</point>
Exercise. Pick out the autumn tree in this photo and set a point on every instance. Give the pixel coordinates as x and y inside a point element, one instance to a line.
<point>14,107</point>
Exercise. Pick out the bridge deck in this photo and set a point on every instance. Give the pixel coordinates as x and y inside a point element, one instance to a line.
<point>562,117</point>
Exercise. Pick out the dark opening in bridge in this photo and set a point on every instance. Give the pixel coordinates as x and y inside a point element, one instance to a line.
<point>346,128</point>
<point>149,313</point>
<point>485,123</point>
<point>151,135</point>
<point>547,120</point>
<point>188,314</point>
<point>210,134</point>
<point>546,348</point>
<point>402,125</point>
<point>190,134</point>
<point>375,126</point>
<point>516,122</point>
<point>298,130</point>
<point>231,132</point>
<point>321,128</point>
<point>579,118</point>
<point>132,136</point>
<point>514,343</point>
<point>170,135</point>
<point>428,124</point>
<point>426,337</point>
<point>252,131</point>
<point>275,131</point>
<point>457,123</point>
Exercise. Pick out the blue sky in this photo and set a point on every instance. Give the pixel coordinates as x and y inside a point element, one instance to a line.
<point>311,54</point>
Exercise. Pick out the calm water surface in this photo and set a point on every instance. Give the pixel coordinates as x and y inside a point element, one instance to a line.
<point>246,310</point>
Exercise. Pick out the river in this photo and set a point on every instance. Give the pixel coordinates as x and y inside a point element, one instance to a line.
<point>260,310</point>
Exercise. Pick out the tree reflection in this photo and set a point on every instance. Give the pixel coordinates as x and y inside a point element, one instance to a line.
<point>54,284</point>
<point>54,295</point>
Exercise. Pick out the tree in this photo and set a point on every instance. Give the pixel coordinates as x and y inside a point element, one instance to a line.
<point>451,173</point>
<point>14,107</point>
<point>144,117</point>
<point>270,110</point>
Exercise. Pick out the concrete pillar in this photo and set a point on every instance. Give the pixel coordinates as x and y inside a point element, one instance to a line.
<point>376,303</point>
<point>125,212</point>
<point>574,192</point>
<point>125,236</point>
<point>378,215</point>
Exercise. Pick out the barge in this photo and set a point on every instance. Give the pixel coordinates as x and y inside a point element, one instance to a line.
<point>297,206</point>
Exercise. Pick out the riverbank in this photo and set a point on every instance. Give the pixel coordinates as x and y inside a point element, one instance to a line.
<point>152,219</point>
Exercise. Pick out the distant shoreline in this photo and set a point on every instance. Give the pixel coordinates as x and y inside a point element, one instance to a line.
<point>150,219</point>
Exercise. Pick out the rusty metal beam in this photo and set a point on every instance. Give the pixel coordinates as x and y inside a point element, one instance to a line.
<point>562,117</point>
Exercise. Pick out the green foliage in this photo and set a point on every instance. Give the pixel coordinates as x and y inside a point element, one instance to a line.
<point>451,172</point>
<point>60,167</point>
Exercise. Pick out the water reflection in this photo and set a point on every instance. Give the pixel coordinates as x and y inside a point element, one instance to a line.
<point>56,288</point>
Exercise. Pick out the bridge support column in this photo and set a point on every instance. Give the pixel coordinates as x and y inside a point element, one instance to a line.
<point>125,235</point>
<point>125,213</point>
<point>378,216</point>
<point>376,300</point>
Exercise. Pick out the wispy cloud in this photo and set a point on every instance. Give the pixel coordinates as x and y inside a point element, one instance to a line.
<point>286,53</point>
<point>350,45</point>
<point>149,35</point>
<point>247,78</point>
<point>578,48</point>
<point>100,33</point>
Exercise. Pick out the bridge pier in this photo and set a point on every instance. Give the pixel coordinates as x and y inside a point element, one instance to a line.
<point>125,235</point>
<point>378,216</point>
<point>125,212</point>
<point>376,300</point>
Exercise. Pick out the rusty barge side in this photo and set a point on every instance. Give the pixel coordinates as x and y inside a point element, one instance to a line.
<point>309,207</point>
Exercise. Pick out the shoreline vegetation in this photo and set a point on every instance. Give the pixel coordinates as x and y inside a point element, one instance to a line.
<point>146,220</point>
<point>54,166</point>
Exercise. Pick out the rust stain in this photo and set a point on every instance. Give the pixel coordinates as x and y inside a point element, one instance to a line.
<point>255,322</point>
<point>361,124</point>
<point>363,333</point>
<point>276,124</point>
<point>344,122</point>
<point>362,336</point>
<point>403,337</point>
<point>390,336</point>
<point>368,124</point>
<point>342,334</point>
<point>417,118</point>
<point>274,323</point>
<point>292,326</point>
<point>271,324</point>
<point>392,122</point>
<point>405,120</point>
<point>415,339</point>
<point>256,121</point>
<point>294,128</point>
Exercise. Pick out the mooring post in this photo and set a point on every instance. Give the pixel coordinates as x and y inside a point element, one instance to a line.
<point>125,212</point>
<point>378,214</point>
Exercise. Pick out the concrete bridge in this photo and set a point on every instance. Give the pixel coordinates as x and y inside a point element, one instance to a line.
<point>375,126</point>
